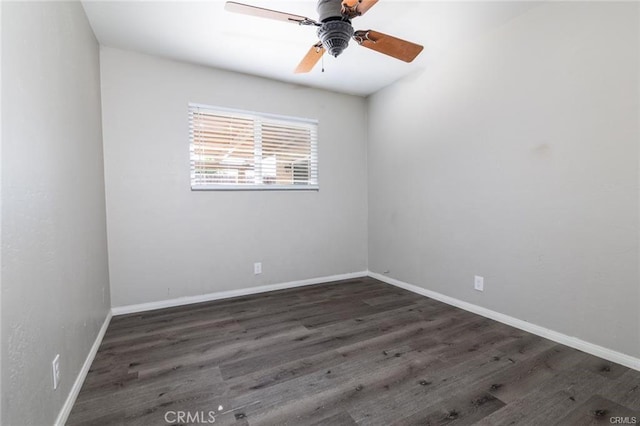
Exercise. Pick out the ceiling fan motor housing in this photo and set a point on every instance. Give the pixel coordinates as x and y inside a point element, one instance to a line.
<point>335,36</point>
<point>335,31</point>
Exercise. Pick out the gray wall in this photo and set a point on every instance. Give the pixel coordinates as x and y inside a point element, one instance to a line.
<point>516,158</point>
<point>55,290</point>
<point>166,241</point>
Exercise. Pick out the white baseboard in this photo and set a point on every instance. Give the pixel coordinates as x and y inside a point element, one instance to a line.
<point>574,342</point>
<point>142,307</point>
<point>77,385</point>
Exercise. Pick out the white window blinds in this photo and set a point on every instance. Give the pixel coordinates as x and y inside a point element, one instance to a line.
<point>233,149</point>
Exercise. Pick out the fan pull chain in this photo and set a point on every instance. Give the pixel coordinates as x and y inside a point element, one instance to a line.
<point>322,63</point>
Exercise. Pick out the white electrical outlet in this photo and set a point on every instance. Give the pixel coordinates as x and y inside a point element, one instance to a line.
<point>257,268</point>
<point>478,283</point>
<point>55,365</point>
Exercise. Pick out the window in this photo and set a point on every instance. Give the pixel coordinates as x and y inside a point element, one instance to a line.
<point>232,149</point>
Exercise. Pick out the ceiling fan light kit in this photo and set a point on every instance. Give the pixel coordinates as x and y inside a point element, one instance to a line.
<point>335,30</point>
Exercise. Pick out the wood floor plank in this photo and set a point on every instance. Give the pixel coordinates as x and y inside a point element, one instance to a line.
<point>465,408</point>
<point>159,391</point>
<point>596,411</point>
<point>426,388</point>
<point>340,419</point>
<point>523,377</point>
<point>343,353</point>
<point>625,390</point>
<point>337,389</point>
<point>550,401</point>
<point>355,332</point>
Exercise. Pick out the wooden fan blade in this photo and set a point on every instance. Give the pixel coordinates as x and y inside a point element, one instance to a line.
<point>310,59</point>
<point>246,9</point>
<point>365,5</point>
<point>353,8</point>
<point>389,45</point>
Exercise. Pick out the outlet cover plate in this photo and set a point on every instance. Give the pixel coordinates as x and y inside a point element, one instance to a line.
<point>478,283</point>
<point>55,366</point>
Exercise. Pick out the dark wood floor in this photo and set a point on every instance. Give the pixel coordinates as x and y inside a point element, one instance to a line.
<point>352,352</point>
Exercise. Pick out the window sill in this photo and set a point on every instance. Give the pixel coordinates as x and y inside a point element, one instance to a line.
<point>256,188</point>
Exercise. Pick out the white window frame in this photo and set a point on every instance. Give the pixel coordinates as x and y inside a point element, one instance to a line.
<point>257,116</point>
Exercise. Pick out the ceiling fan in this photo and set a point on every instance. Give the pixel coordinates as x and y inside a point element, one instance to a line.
<point>335,30</point>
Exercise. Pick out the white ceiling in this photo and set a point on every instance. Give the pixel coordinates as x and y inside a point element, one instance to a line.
<point>204,33</point>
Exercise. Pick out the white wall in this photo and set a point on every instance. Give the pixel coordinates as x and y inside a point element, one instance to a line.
<point>1,351</point>
<point>166,241</point>
<point>55,293</point>
<point>516,158</point>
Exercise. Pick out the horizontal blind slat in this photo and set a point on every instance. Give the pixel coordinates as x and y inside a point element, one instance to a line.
<point>250,150</point>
